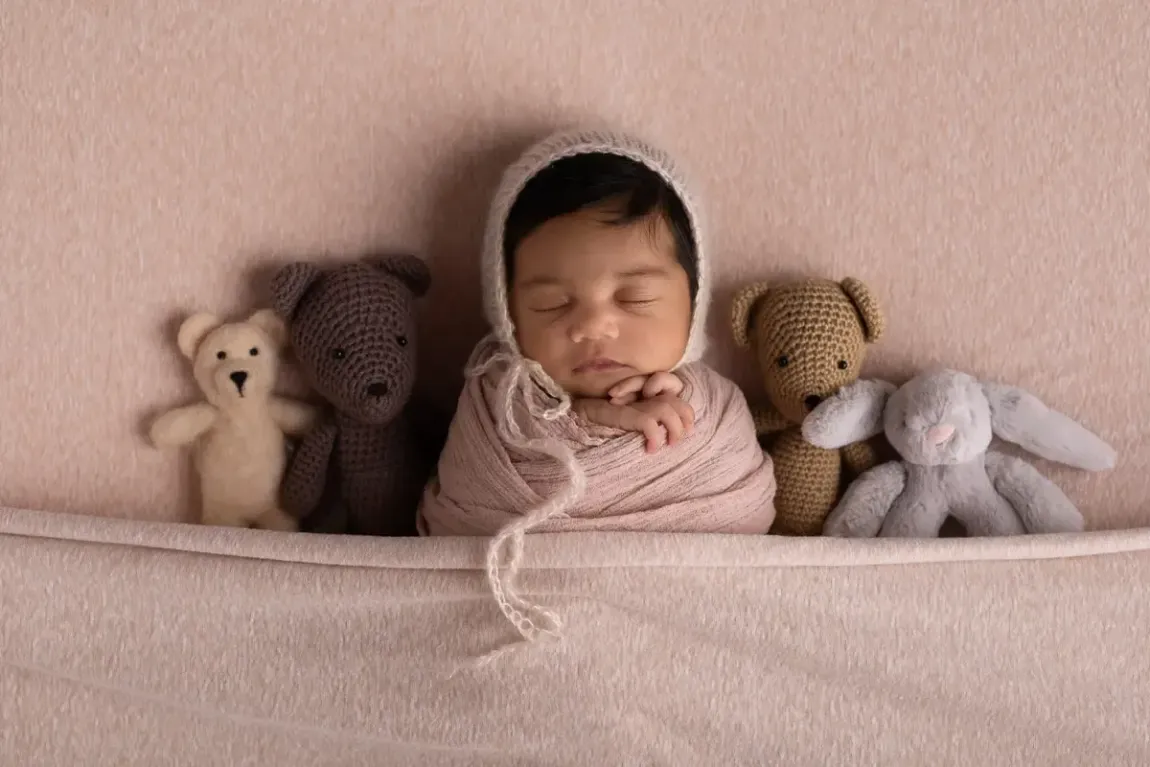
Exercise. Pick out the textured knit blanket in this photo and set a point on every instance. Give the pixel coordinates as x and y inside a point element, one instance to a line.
<point>509,452</point>
<point>129,643</point>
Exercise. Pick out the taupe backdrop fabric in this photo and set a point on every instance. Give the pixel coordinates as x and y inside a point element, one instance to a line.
<point>984,166</point>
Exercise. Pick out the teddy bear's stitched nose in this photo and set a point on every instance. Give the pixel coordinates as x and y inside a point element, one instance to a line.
<point>376,389</point>
<point>812,401</point>
<point>238,379</point>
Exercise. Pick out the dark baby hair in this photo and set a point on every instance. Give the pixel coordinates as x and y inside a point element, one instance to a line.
<point>571,184</point>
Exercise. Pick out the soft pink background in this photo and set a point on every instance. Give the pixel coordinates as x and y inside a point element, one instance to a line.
<point>985,170</point>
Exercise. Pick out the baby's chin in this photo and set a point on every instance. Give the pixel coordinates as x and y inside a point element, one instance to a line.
<point>596,384</point>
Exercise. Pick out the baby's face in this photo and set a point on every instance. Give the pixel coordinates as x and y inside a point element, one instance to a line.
<point>595,303</point>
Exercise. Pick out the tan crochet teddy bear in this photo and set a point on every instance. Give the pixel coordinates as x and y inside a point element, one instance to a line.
<point>240,448</point>
<point>810,338</point>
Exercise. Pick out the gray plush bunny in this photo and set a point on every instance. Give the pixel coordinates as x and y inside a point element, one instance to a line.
<point>942,423</point>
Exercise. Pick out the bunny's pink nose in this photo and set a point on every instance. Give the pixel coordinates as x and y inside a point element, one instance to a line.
<point>936,435</point>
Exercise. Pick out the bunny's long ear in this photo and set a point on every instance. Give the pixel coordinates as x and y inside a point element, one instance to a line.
<point>853,414</point>
<point>1019,417</point>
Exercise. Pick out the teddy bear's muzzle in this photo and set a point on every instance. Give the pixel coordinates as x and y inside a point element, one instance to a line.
<point>239,378</point>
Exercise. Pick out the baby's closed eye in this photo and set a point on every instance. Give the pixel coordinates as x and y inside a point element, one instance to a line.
<point>636,297</point>
<point>547,301</point>
<point>549,307</point>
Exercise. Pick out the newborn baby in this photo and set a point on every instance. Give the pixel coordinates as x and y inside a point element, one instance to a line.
<point>587,407</point>
<point>601,264</point>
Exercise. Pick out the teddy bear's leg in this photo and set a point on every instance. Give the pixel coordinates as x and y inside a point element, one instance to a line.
<point>219,514</point>
<point>277,519</point>
<point>808,484</point>
<point>331,518</point>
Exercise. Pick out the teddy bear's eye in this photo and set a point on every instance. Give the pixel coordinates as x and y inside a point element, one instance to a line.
<point>783,361</point>
<point>338,353</point>
<point>843,365</point>
<point>254,351</point>
<point>221,355</point>
<point>401,340</point>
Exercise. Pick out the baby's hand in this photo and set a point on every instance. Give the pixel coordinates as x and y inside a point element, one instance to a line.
<point>653,416</point>
<point>647,387</point>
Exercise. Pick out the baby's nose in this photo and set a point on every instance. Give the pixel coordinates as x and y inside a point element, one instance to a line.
<point>593,325</point>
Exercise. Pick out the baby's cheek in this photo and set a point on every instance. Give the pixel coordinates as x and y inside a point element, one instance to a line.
<point>660,342</point>
<point>538,339</point>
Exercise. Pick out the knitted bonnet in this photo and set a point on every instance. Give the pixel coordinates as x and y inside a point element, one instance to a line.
<point>520,377</point>
<point>569,144</point>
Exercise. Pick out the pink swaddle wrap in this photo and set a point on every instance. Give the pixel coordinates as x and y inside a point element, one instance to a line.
<point>716,480</point>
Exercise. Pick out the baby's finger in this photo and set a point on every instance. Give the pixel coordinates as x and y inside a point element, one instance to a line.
<point>653,431</point>
<point>632,385</point>
<point>662,383</point>
<point>624,399</point>
<point>685,412</point>
<point>673,423</point>
<point>688,414</point>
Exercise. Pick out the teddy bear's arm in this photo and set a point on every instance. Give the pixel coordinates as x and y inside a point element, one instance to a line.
<point>306,476</point>
<point>292,416</point>
<point>182,425</point>
<point>860,456</point>
<point>768,420</point>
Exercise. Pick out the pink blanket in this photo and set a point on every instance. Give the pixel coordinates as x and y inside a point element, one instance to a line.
<point>716,480</point>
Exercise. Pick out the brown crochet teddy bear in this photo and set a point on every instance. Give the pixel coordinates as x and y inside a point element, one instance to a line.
<point>810,337</point>
<point>352,328</point>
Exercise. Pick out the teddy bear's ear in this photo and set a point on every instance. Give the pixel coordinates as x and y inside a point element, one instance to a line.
<point>272,325</point>
<point>193,330</point>
<point>289,286</point>
<point>874,324</point>
<point>742,307</point>
<point>413,270</point>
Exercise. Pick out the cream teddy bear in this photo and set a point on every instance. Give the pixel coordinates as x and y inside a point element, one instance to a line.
<point>239,433</point>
